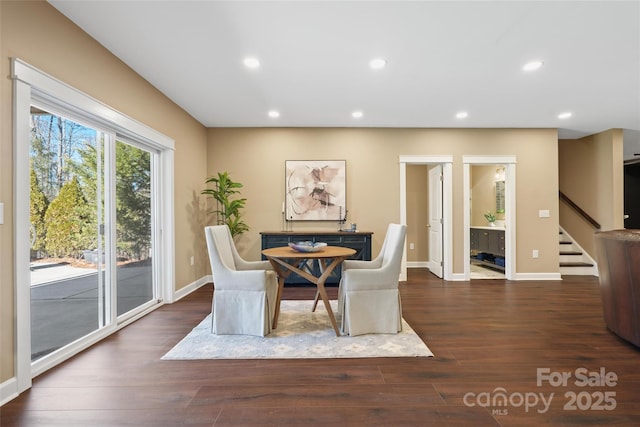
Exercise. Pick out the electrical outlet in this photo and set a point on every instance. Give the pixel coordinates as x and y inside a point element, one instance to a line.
<point>193,261</point>
<point>412,246</point>
<point>535,254</point>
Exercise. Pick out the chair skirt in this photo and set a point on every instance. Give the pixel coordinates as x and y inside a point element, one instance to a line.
<point>371,312</point>
<point>243,312</point>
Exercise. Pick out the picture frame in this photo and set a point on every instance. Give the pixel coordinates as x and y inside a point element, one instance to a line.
<point>315,190</point>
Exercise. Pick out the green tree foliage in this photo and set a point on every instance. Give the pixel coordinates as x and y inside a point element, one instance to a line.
<point>62,149</point>
<point>41,164</point>
<point>227,207</point>
<point>38,207</point>
<point>133,201</point>
<point>66,223</point>
<point>54,141</point>
<point>85,169</point>
<point>133,196</point>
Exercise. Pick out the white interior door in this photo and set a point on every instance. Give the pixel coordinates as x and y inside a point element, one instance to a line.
<point>435,220</point>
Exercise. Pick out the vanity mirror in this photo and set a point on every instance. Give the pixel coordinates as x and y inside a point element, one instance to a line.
<point>500,196</point>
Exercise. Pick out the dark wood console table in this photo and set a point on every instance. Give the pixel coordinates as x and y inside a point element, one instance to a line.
<point>360,241</point>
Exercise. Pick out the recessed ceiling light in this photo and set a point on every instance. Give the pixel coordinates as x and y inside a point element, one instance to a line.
<point>274,114</point>
<point>378,63</point>
<point>462,115</point>
<point>251,62</point>
<point>357,114</point>
<point>565,115</point>
<point>532,66</point>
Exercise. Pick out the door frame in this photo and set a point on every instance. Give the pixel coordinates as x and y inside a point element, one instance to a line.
<point>30,83</point>
<point>510,210</point>
<point>447,207</point>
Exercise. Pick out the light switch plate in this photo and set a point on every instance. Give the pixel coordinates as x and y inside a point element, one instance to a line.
<point>544,213</point>
<point>1,213</point>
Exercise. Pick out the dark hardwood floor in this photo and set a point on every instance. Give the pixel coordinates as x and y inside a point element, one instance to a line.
<point>489,337</point>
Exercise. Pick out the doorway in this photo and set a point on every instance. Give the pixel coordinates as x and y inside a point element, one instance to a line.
<point>632,195</point>
<point>439,257</point>
<point>487,219</point>
<point>493,196</point>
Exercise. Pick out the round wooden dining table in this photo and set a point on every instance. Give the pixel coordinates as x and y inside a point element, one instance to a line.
<point>286,260</point>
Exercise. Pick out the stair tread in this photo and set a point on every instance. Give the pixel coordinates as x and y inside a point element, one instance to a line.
<point>576,264</point>
<point>569,266</point>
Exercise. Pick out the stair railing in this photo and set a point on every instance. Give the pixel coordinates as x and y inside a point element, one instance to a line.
<point>579,210</point>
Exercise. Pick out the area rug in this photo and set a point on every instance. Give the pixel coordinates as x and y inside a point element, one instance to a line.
<point>301,334</point>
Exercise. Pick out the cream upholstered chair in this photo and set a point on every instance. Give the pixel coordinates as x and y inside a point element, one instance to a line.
<point>368,297</point>
<point>245,292</point>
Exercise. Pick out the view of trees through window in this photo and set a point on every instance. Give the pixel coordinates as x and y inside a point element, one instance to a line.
<point>63,196</point>
<point>64,183</point>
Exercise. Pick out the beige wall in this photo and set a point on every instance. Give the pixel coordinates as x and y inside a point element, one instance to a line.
<point>592,175</point>
<point>255,157</point>
<point>35,32</point>
<point>418,213</point>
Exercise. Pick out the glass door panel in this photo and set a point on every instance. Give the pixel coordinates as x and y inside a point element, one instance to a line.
<point>134,237</point>
<point>67,251</point>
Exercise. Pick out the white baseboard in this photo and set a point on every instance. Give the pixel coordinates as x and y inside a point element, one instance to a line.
<point>538,276</point>
<point>458,277</point>
<point>417,264</point>
<point>186,290</point>
<point>8,390</point>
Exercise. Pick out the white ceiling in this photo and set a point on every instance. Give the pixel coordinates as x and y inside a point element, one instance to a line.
<point>443,57</point>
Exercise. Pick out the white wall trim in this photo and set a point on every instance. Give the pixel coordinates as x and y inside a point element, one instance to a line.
<point>459,277</point>
<point>488,160</point>
<point>403,218</point>
<point>426,160</point>
<point>167,228</point>
<point>48,86</point>
<point>538,276</point>
<point>191,287</point>
<point>21,227</point>
<point>8,390</point>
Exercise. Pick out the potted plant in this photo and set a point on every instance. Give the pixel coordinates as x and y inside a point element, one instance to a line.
<point>491,218</point>
<point>227,207</point>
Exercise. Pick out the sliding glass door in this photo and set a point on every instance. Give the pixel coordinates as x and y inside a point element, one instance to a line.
<point>92,205</point>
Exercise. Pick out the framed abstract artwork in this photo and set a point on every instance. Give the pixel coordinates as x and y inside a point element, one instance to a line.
<point>315,190</point>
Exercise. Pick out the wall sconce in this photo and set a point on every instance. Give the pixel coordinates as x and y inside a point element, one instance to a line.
<point>500,174</point>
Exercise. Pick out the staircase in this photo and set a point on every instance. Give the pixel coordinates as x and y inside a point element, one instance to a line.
<point>573,260</point>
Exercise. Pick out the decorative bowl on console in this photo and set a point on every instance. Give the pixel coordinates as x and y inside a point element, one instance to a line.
<point>307,246</point>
